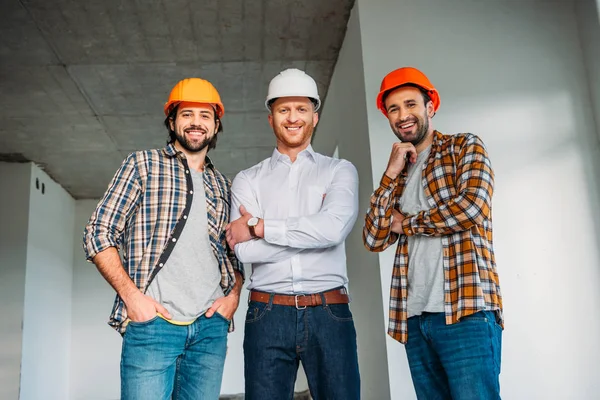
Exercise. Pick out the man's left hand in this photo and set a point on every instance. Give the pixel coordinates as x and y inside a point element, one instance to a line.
<point>397,220</point>
<point>238,231</point>
<point>226,306</point>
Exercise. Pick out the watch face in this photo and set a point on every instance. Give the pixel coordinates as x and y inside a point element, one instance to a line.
<point>253,221</point>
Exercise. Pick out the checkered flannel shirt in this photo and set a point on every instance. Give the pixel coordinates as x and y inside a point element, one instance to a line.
<point>458,180</point>
<point>145,209</point>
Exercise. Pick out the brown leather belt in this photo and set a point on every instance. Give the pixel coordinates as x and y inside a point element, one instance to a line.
<point>337,296</point>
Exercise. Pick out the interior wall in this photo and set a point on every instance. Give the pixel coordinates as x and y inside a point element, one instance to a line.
<point>48,277</point>
<point>343,121</point>
<point>14,219</point>
<point>94,345</point>
<point>515,76</point>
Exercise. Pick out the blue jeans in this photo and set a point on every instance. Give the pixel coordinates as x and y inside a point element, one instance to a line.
<point>322,337</point>
<point>459,361</point>
<point>160,360</point>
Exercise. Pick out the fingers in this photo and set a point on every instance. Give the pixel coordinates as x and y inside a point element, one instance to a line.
<point>230,241</point>
<point>222,310</point>
<point>412,152</point>
<point>160,309</point>
<point>211,311</point>
<point>404,151</point>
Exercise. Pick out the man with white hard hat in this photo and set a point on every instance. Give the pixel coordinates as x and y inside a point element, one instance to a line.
<point>290,216</point>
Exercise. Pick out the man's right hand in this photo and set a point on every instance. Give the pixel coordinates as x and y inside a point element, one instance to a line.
<point>401,151</point>
<point>142,308</point>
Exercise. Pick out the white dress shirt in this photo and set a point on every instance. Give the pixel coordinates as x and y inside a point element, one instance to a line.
<point>309,207</point>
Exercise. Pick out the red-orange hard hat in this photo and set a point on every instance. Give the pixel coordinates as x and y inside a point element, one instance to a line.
<point>195,90</point>
<point>404,76</point>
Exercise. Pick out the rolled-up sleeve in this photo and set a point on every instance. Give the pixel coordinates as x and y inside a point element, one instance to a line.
<point>107,223</point>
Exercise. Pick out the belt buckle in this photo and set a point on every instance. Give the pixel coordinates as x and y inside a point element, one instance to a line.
<point>296,300</point>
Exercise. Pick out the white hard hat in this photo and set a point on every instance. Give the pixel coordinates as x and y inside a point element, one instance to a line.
<point>293,82</point>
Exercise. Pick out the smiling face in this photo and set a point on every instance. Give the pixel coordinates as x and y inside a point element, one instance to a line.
<point>194,126</point>
<point>293,120</point>
<point>408,114</point>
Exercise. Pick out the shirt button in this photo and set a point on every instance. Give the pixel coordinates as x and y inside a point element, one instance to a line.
<point>187,171</point>
<point>160,265</point>
<point>174,239</point>
<point>185,217</point>
<point>191,192</point>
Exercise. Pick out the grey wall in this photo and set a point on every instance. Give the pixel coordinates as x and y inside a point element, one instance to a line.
<point>14,217</point>
<point>344,120</point>
<point>588,19</point>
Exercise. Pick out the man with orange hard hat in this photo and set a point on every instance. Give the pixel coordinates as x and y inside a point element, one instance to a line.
<point>435,200</point>
<point>177,284</point>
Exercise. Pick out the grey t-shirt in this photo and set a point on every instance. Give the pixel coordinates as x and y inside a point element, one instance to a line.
<point>425,267</point>
<point>189,282</point>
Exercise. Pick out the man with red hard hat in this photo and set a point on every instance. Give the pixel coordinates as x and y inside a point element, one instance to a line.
<point>435,200</point>
<point>177,284</point>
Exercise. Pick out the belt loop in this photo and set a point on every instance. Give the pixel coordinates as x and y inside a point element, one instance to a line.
<point>270,304</point>
<point>323,301</point>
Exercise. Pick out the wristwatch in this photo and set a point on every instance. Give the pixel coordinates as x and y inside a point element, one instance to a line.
<point>252,222</point>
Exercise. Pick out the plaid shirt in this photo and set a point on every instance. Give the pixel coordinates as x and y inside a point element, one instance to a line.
<point>458,180</point>
<point>146,207</point>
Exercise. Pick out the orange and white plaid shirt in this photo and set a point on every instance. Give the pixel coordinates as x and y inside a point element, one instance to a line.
<point>458,181</point>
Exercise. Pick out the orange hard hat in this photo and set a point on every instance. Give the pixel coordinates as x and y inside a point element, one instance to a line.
<point>405,76</point>
<point>195,90</point>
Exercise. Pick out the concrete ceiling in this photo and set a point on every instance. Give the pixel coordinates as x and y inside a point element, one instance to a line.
<point>83,82</point>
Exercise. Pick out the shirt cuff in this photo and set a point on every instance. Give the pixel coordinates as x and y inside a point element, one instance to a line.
<point>407,228</point>
<point>276,231</point>
<point>387,182</point>
<point>384,195</point>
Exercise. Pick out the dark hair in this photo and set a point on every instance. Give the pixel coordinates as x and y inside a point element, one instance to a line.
<point>426,98</point>
<point>173,137</point>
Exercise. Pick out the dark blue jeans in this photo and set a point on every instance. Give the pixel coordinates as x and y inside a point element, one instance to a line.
<point>457,362</point>
<point>162,361</point>
<point>278,337</point>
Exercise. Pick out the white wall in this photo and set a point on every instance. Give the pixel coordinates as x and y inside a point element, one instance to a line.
<point>514,75</point>
<point>14,217</point>
<point>47,308</point>
<point>95,347</point>
<point>344,120</point>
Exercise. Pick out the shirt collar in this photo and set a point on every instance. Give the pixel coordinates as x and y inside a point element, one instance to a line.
<point>171,151</point>
<point>308,153</point>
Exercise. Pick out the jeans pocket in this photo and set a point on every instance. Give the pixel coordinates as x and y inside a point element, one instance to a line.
<point>143,323</point>
<point>256,310</point>
<point>339,312</point>
<point>219,315</point>
<point>479,316</point>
